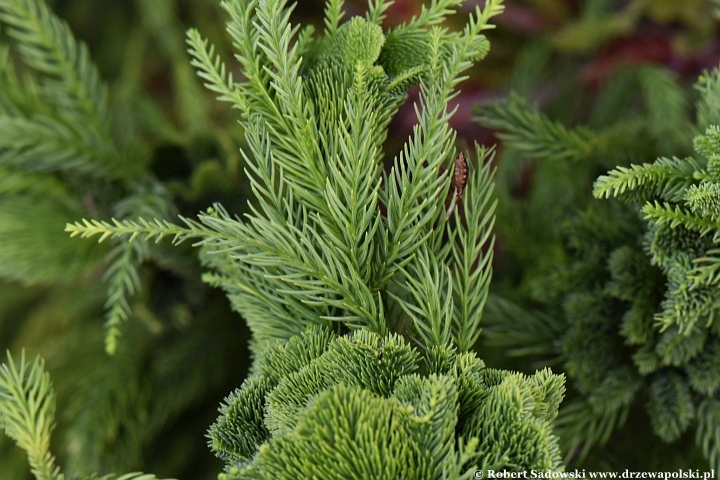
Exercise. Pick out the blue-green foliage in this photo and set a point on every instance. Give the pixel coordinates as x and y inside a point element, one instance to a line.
<point>341,264</point>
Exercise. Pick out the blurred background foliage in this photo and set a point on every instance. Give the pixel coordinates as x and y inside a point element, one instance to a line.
<point>598,63</point>
<point>610,85</point>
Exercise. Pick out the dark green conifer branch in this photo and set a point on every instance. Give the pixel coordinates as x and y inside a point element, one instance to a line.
<point>682,209</point>
<point>534,134</point>
<point>161,22</point>
<point>664,121</point>
<point>635,299</point>
<point>70,82</point>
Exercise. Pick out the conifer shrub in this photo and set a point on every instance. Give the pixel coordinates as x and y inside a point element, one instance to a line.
<point>630,310</point>
<point>363,289</point>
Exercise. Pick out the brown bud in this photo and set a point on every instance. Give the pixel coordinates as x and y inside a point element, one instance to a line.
<point>460,175</point>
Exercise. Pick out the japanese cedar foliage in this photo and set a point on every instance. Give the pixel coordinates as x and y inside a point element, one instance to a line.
<point>362,291</point>
<point>631,311</point>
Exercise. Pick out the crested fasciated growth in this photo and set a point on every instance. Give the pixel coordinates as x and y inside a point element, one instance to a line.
<point>360,396</point>
<point>363,289</point>
<point>631,313</point>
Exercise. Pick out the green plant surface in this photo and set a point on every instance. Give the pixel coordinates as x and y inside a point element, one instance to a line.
<point>629,312</point>
<point>75,146</point>
<point>340,265</point>
<point>27,414</point>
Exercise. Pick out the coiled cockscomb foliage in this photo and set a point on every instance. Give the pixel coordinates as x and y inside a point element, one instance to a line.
<point>358,402</point>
